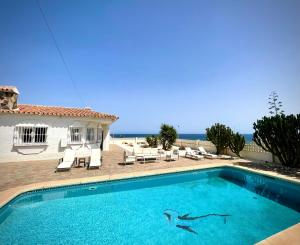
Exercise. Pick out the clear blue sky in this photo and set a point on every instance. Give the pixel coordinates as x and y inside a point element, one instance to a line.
<point>189,63</point>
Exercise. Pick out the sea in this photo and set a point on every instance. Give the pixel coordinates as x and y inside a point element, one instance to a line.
<point>248,137</point>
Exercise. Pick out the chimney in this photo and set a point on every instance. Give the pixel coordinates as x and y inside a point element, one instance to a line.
<point>8,97</point>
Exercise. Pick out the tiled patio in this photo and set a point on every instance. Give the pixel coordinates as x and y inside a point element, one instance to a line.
<point>23,173</point>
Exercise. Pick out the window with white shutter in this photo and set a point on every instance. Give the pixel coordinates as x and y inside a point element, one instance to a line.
<point>30,135</point>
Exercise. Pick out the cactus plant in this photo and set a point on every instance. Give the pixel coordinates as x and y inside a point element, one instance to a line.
<point>275,105</point>
<point>280,135</point>
<point>219,135</point>
<point>237,143</point>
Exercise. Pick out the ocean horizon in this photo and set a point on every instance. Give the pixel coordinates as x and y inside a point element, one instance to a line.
<point>248,137</point>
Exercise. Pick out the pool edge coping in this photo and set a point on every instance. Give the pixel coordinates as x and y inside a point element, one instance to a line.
<point>9,194</point>
<point>290,235</point>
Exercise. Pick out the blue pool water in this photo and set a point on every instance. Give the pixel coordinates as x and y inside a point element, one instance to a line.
<point>146,210</point>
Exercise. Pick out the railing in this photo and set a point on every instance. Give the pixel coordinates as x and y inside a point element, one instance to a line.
<point>250,147</point>
<point>193,143</point>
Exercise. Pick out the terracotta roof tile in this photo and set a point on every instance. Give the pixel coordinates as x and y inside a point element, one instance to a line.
<point>58,111</point>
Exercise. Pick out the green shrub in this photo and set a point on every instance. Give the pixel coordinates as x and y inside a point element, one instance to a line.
<point>219,135</point>
<point>152,141</point>
<point>237,143</point>
<point>167,136</point>
<point>280,135</point>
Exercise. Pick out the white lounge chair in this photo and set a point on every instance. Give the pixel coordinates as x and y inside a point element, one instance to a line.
<point>171,156</point>
<point>191,154</point>
<point>67,160</point>
<point>128,158</point>
<point>203,152</point>
<point>226,157</point>
<point>95,161</point>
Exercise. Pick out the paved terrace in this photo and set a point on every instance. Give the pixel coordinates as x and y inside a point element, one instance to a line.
<point>22,173</point>
<point>16,174</point>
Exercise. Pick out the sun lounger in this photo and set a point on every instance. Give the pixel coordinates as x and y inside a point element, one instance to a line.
<point>203,152</point>
<point>225,157</point>
<point>67,160</point>
<point>128,158</point>
<point>95,161</point>
<point>191,154</point>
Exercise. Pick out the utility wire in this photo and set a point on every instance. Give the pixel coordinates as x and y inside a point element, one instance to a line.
<point>59,51</point>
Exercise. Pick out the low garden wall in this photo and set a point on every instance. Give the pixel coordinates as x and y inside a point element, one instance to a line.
<point>127,140</point>
<point>251,150</point>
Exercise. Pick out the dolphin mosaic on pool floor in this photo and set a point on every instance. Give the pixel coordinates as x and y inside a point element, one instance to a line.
<point>185,221</point>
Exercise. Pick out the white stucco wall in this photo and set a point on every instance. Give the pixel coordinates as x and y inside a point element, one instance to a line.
<point>106,137</point>
<point>57,130</point>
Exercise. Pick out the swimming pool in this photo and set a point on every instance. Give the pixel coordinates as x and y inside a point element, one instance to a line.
<point>216,206</point>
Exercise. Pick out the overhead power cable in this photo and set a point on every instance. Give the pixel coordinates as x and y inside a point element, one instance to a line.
<point>59,51</point>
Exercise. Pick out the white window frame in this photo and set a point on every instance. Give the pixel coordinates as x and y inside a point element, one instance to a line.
<point>30,134</point>
<point>88,134</point>
<point>72,137</point>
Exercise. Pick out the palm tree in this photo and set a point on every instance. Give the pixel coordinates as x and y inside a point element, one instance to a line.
<point>167,136</point>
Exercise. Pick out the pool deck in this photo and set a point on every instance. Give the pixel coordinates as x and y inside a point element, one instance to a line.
<point>19,177</point>
<point>18,174</point>
<point>289,236</point>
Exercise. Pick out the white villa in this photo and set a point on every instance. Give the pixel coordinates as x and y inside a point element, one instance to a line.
<point>35,132</point>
